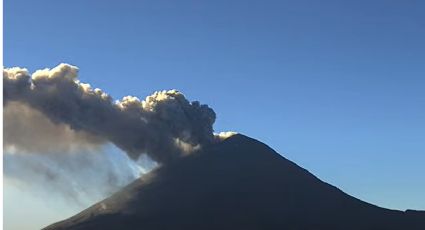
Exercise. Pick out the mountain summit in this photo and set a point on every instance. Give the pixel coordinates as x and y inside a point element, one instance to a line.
<point>239,183</point>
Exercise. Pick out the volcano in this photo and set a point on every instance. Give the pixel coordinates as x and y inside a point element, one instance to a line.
<point>239,183</point>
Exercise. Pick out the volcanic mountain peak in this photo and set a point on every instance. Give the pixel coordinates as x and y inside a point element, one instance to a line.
<point>239,183</point>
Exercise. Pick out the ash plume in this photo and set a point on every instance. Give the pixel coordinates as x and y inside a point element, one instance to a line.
<point>165,125</point>
<point>27,130</point>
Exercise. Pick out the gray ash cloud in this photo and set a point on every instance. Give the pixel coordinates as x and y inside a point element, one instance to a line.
<point>165,125</point>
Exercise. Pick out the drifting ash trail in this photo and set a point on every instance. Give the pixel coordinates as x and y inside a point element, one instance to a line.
<point>165,125</point>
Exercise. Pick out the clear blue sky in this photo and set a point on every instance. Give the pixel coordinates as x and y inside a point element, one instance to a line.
<point>336,86</point>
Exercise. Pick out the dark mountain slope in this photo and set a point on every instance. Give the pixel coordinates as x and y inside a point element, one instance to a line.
<point>239,183</point>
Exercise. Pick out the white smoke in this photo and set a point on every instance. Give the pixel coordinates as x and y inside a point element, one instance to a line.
<point>224,135</point>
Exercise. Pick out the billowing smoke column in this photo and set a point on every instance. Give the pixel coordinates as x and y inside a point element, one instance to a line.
<point>165,125</point>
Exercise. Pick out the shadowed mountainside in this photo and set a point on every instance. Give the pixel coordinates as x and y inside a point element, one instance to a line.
<point>239,183</point>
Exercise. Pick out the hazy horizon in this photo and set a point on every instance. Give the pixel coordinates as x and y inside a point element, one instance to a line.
<point>337,87</point>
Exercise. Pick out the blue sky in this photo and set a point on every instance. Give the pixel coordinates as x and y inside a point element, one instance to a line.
<point>336,86</point>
